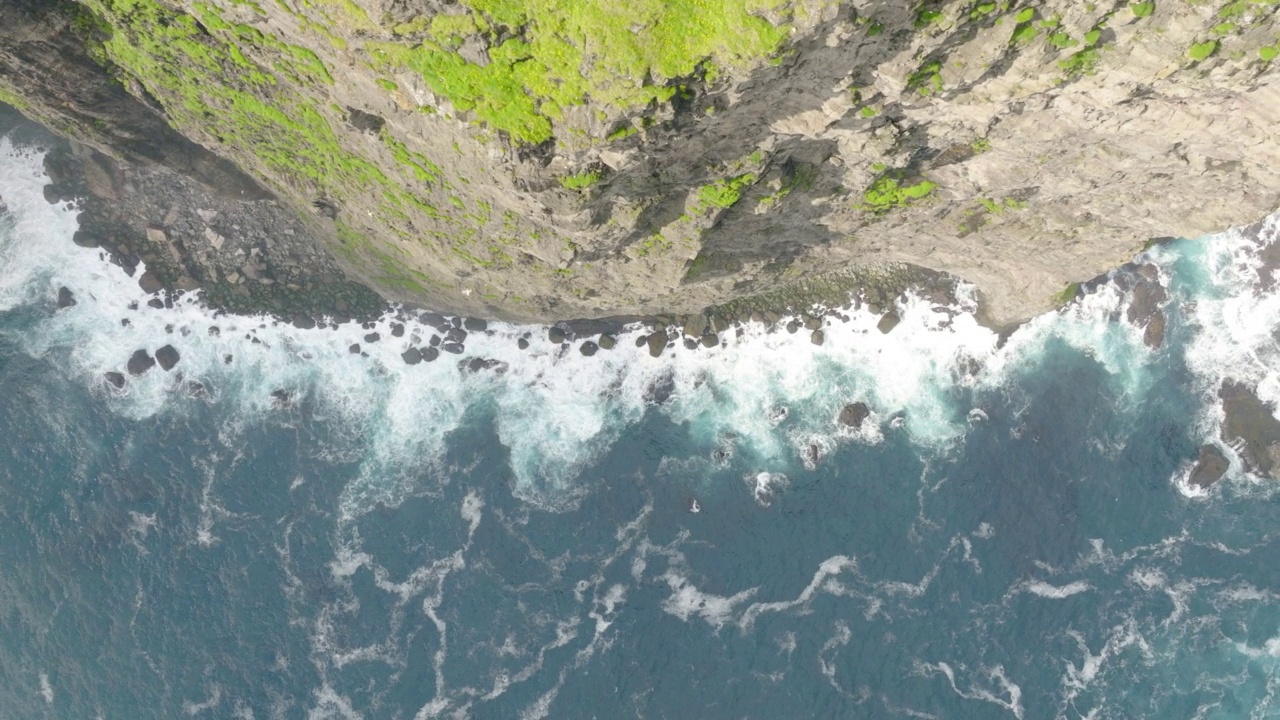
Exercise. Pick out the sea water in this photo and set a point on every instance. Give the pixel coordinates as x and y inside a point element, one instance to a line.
<point>1010,534</point>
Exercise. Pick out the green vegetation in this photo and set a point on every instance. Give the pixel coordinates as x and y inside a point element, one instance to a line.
<point>1266,52</point>
<point>8,97</point>
<point>980,145</point>
<point>1062,40</point>
<point>997,207</point>
<point>1025,15</point>
<point>927,78</point>
<point>1068,294</point>
<point>387,85</point>
<point>926,17</point>
<point>868,112</point>
<point>622,133</point>
<point>621,55</point>
<point>891,190</point>
<point>582,180</point>
<point>1202,51</point>
<point>725,193</point>
<point>1142,9</point>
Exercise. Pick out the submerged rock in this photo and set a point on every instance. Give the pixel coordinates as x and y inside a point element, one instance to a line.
<point>452,347</point>
<point>888,322</point>
<point>115,378</point>
<point>65,298</point>
<point>657,342</point>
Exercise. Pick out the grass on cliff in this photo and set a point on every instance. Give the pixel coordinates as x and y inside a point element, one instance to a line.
<point>892,190</point>
<point>556,54</point>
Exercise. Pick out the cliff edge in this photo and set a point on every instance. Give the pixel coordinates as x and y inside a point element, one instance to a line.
<point>536,160</point>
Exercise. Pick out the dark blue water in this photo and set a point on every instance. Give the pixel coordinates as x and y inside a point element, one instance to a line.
<point>422,542</point>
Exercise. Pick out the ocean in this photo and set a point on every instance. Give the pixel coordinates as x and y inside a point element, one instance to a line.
<point>279,528</point>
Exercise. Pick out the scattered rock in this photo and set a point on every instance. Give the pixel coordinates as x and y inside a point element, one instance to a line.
<point>477,364</point>
<point>588,348</point>
<point>1250,427</point>
<point>214,331</point>
<point>793,326</point>
<point>372,337</point>
<point>65,298</point>
<point>690,344</point>
<point>452,347</point>
<point>303,322</point>
<point>641,340</point>
<point>430,354</point>
<point>167,356</point>
<point>694,326</point>
<point>888,322</point>
<point>475,324</point>
<point>817,337</point>
<point>156,303</point>
<point>853,414</point>
<point>397,329</point>
<point>523,343</point>
<point>354,349</point>
<point>412,356</point>
<point>150,283</point>
<point>812,323</point>
<point>281,398</point>
<point>140,362</point>
<point>710,340</point>
<point>1210,467</point>
<point>456,335</point>
<point>434,341</point>
<point>657,342</point>
<point>607,342</point>
<point>115,378</point>
<point>556,335</point>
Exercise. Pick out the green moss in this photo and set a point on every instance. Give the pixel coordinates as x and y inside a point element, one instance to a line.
<point>1084,62</point>
<point>1202,51</point>
<point>1266,52</point>
<point>1142,9</point>
<point>8,97</point>
<point>1062,40</point>
<point>582,180</point>
<point>868,112</point>
<point>1025,15</point>
<point>927,78</point>
<point>1068,294</point>
<point>980,145</point>
<point>387,85</point>
<point>725,193</point>
<point>891,191</point>
<point>621,55</point>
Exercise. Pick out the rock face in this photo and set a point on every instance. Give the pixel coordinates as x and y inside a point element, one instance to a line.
<point>853,415</point>
<point>474,157</point>
<point>1250,427</point>
<point>1210,466</point>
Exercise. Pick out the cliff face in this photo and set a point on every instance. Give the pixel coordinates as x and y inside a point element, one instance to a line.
<point>535,159</point>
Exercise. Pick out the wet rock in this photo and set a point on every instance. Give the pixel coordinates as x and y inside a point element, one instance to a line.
<point>588,348</point>
<point>431,319</point>
<point>303,322</point>
<point>214,331</point>
<point>281,398</point>
<point>140,362</point>
<point>430,354</point>
<point>1153,336</point>
<point>853,414</point>
<point>65,298</point>
<point>86,239</point>
<point>657,342</point>
<point>888,322</point>
<point>412,356</point>
<point>456,335</point>
<point>397,329</point>
<point>523,343</point>
<point>793,327</point>
<point>812,323</point>
<point>475,325</point>
<point>452,347</point>
<point>556,335</point>
<point>150,283</point>
<point>197,390</point>
<point>167,356</point>
<point>1210,466</point>
<point>710,340</point>
<point>817,337</point>
<point>478,364</point>
<point>115,378</point>
<point>694,326</point>
<point>690,344</point>
<point>434,341</point>
<point>156,303</point>
<point>372,337</point>
<point>354,349</point>
<point>1250,427</point>
<point>1146,300</point>
<point>661,390</point>
<point>607,342</point>
<point>641,340</point>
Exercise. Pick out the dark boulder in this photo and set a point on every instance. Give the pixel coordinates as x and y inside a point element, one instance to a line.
<point>304,322</point>
<point>793,326</point>
<point>812,323</point>
<point>607,342</point>
<point>140,362</point>
<point>197,390</point>
<point>354,349</point>
<point>475,325</point>
<point>657,342</point>
<point>431,319</point>
<point>853,414</point>
<point>150,283</point>
<point>434,341</point>
<point>523,343</point>
<point>710,340</point>
<point>556,335</point>
<point>397,329</point>
<point>372,337</point>
<point>65,298</point>
<point>1250,427</point>
<point>115,378</point>
<point>1153,336</point>
<point>588,348</point>
<point>690,344</point>
<point>888,322</point>
<point>412,356</point>
<point>641,340</point>
<point>817,337</point>
<point>1209,468</point>
<point>156,303</point>
<point>430,354</point>
<point>478,364</point>
<point>452,347</point>
<point>456,335</point>
<point>167,356</point>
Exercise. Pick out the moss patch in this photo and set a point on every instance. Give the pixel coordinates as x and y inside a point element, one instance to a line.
<point>893,190</point>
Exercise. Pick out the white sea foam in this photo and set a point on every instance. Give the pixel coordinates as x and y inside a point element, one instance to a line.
<point>1053,592</point>
<point>46,688</point>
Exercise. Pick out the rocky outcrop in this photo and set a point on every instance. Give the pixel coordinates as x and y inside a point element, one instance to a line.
<point>1251,428</point>
<point>560,160</point>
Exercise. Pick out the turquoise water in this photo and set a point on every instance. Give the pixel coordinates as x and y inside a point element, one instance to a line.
<point>1009,535</point>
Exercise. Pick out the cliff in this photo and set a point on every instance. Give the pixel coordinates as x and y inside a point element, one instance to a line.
<point>534,159</point>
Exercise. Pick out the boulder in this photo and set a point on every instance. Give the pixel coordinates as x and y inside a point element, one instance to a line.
<point>150,283</point>
<point>434,341</point>
<point>1250,426</point>
<point>1153,336</point>
<point>475,324</point>
<point>456,335</point>
<point>694,326</point>
<point>556,335</point>
<point>397,329</point>
<point>588,348</point>
<point>430,354</point>
<point>115,378</point>
<point>372,337</point>
<point>817,337</point>
<point>523,343</point>
<point>452,347</point>
<point>607,342</point>
<point>1210,466</point>
<point>167,356</point>
<point>197,390</point>
<point>65,298</point>
<point>657,342</point>
<point>641,340</point>
<point>412,356</point>
<point>710,340</point>
<point>812,323</point>
<point>888,322</point>
<point>690,344</point>
<point>477,364</point>
<point>793,326</point>
<point>140,362</point>
<point>303,322</point>
<point>853,414</point>
<point>354,349</point>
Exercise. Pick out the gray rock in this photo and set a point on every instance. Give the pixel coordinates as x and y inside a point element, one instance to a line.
<point>690,344</point>
<point>793,326</point>
<point>372,337</point>
<point>1210,466</point>
<point>456,335</point>
<point>140,362</point>
<point>817,337</point>
<point>412,356</point>
<point>607,342</point>
<point>115,378</point>
<point>710,340</point>
<point>65,298</point>
<point>853,415</point>
<point>167,356</point>
<point>354,349</point>
<point>430,354</point>
<point>475,324</point>
<point>452,347</point>
<point>150,283</point>
<point>523,343</point>
<point>657,342</point>
<point>888,322</point>
<point>812,323</point>
<point>397,329</point>
<point>556,335</point>
<point>1250,426</point>
<point>588,348</point>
